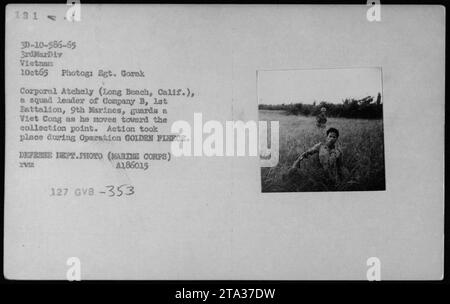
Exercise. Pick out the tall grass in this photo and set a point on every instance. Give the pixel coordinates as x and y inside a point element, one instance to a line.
<point>361,141</point>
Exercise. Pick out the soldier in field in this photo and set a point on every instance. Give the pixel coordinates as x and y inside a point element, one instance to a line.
<point>330,156</point>
<point>321,119</point>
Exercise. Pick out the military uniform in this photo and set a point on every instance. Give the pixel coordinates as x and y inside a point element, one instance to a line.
<point>321,120</point>
<point>330,159</point>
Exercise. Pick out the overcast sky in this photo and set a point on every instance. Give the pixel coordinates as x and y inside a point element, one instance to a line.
<point>305,86</point>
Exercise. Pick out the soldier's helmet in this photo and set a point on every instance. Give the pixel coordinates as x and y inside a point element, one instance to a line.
<point>323,109</point>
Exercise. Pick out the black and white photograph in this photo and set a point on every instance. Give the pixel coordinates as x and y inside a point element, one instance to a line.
<point>241,143</point>
<point>330,129</point>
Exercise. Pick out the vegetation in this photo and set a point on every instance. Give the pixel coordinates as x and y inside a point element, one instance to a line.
<point>368,107</point>
<point>361,141</point>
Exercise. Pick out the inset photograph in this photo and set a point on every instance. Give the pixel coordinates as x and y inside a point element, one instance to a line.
<point>330,129</point>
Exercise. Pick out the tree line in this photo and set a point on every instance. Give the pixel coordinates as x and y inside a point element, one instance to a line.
<point>367,107</point>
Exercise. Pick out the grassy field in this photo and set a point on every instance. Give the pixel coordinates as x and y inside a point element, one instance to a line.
<point>361,141</point>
